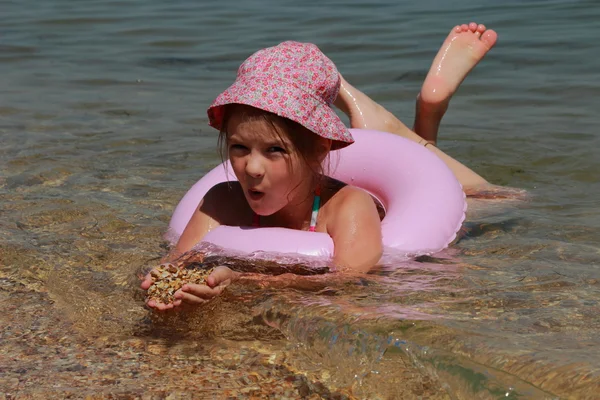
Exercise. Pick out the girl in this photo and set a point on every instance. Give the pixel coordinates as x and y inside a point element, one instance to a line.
<point>277,127</point>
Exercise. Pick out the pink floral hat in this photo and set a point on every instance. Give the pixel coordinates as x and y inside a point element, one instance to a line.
<point>293,80</point>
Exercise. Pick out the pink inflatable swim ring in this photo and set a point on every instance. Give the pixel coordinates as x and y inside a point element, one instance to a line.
<point>425,204</point>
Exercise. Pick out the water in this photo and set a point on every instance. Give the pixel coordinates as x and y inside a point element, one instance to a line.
<point>103,129</point>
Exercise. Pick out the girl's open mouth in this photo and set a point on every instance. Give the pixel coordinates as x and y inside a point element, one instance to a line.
<point>255,194</point>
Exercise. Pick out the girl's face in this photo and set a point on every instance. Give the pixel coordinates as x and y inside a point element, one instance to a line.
<point>266,164</point>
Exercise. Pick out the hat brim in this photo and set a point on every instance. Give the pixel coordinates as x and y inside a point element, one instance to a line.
<point>285,100</point>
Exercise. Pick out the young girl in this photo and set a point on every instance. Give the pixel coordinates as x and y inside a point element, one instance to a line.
<point>277,127</point>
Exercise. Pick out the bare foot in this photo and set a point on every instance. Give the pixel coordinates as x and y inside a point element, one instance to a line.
<point>464,47</point>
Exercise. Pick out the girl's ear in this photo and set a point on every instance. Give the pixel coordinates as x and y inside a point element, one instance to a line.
<point>324,149</point>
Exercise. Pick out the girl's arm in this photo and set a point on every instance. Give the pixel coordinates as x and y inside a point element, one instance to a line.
<point>221,277</point>
<point>355,228</point>
<point>203,220</point>
<point>218,207</point>
<point>199,225</point>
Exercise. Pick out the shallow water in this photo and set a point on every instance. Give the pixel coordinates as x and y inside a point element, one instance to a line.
<point>103,129</point>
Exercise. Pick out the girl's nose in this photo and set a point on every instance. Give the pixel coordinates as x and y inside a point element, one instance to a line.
<point>254,166</point>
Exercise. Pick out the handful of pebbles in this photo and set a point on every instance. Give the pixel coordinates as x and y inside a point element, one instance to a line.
<point>168,278</point>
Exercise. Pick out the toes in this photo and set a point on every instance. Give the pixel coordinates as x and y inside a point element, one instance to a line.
<point>489,38</point>
<point>479,29</point>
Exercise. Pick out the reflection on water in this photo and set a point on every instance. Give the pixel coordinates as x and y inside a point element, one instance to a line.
<point>102,132</point>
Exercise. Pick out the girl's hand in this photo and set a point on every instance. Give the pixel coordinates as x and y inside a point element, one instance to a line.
<point>145,285</point>
<point>147,281</point>
<point>193,294</point>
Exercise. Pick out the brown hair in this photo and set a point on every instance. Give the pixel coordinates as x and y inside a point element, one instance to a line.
<point>308,144</point>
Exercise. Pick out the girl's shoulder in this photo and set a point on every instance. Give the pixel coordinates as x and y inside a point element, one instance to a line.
<point>339,199</point>
<point>338,193</point>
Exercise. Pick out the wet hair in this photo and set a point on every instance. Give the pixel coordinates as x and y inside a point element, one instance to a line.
<point>308,145</point>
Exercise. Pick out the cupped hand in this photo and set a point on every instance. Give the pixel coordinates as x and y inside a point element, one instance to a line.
<point>145,285</point>
<point>194,294</point>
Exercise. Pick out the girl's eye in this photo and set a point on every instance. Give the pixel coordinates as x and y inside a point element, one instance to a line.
<point>237,147</point>
<point>276,149</point>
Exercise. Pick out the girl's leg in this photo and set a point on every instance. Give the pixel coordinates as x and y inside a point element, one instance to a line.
<point>364,113</point>
<point>462,50</point>
<point>453,62</point>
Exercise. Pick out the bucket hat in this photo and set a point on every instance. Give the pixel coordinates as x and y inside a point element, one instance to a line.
<point>293,80</point>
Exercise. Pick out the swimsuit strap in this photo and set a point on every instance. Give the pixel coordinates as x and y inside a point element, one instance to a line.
<point>313,215</point>
<point>315,209</point>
